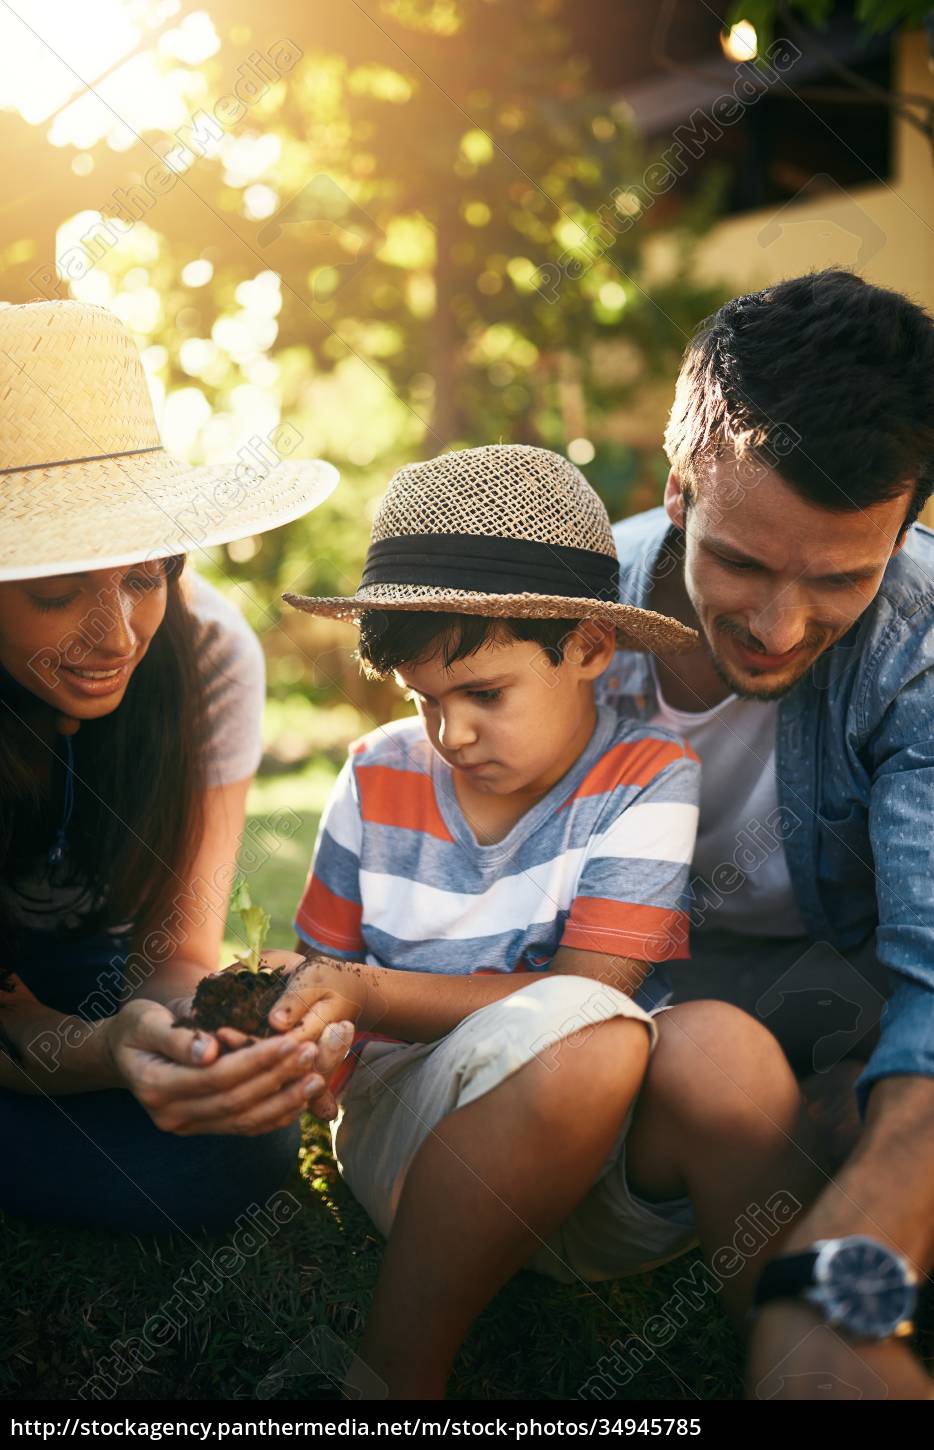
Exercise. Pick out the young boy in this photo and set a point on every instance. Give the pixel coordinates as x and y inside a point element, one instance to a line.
<point>491,886</point>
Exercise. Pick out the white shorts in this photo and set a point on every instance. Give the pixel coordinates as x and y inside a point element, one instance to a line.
<point>397,1094</point>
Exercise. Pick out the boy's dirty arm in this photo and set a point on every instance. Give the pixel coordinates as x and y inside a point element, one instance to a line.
<point>423,1006</point>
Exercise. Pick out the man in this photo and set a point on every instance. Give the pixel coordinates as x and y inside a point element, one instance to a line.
<point>801,444</point>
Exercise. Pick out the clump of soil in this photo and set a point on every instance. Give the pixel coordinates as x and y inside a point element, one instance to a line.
<point>237,997</point>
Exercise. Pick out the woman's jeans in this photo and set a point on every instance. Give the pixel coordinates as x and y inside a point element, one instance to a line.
<point>97,1159</point>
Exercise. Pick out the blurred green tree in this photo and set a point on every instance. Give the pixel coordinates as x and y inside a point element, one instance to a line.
<point>415,219</point>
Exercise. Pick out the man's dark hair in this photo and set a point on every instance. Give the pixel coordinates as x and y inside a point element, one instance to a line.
<point>826,379</point>
<point>390,638</point>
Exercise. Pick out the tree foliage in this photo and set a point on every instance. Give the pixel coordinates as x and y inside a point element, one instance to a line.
<point>874,16</point>
<point>418,234</point>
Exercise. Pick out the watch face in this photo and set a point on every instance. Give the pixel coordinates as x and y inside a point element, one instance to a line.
<point>863,1287</point>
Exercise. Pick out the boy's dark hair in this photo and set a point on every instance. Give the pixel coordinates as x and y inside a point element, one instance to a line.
<point>826,379</point>
<point>390,638</point>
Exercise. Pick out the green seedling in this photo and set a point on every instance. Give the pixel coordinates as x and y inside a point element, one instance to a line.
<point>255,926</point>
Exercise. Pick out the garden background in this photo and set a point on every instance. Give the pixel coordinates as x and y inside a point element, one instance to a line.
<point>371,232</point>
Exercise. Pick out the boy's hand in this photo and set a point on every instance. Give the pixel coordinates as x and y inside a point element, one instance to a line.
<point>321,991</point>
<point>317,1008</point>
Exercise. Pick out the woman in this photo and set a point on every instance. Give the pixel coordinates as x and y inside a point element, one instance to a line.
<point>130,707</point>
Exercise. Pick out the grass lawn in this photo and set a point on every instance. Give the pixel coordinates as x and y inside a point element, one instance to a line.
<point>70,1295</point>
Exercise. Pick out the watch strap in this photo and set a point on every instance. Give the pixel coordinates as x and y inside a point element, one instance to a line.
<point>786,1277</point>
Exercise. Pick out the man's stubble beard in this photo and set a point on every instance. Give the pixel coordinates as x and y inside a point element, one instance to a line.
<point>767,693</point>
<point>764,695</point>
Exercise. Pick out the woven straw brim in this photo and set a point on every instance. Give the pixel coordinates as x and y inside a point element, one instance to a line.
<point>102,514</point>
<point>640,629</point>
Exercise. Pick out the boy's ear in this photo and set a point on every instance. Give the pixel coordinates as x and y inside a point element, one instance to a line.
<point>591,646</point>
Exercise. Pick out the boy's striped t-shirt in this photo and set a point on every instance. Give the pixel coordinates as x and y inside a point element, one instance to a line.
<point>600,863</point>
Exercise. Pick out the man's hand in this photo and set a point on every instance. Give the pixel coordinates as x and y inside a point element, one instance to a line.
<point>794,1355</point>
<point>187,1087</point>
<point>885,1189</point>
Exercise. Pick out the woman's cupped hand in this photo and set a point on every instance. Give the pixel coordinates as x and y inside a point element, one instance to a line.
<point>189,1085</point>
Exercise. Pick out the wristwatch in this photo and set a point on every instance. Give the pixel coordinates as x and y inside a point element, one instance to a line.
<point>859,1285</point>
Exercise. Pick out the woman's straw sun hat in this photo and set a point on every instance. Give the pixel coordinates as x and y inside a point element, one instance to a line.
<point>84,480</point>
<point>506,531</point>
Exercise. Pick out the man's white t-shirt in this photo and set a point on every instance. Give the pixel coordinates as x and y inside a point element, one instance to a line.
<point>740,875</point>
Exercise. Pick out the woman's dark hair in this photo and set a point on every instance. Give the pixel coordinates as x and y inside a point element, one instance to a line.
<point>139,783</point>
<point>826,379</point>
<point>390,638</point>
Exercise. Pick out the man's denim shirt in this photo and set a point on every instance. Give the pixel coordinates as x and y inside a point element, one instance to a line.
<point>855,764</point>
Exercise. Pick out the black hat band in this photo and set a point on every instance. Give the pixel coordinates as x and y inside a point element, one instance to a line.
<point>492,565</point>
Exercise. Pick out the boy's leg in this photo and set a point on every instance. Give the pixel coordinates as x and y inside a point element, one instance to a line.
<point>721,1119</point>
<point>485,1187</point>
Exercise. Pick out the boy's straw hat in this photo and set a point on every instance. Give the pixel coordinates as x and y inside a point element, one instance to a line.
<point>84,480</point>
<point>507,531</point>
